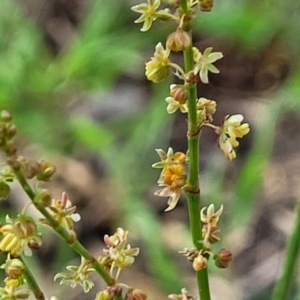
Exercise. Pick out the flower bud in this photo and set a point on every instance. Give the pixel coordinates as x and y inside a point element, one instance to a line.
<point>223,258</point>
<point>11,130</point>
<point>157,72</point>
<point>32,168</point>
<point>179,93</point>
<point>10,148</point>
<point>158,68</point>
<point>14,268</point>
<point>14,164</point>
<point>206,5</point>
<point>178,40</point>
<point>5,116</point>
<point>200,262</point>
<point>2,131</point>
<point>43,196</point>
<point>47,171</point>
<point>106,294</point>
<point>136,294</point>
<point>25,227</point>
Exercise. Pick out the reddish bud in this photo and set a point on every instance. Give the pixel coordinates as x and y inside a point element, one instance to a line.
<point>223,258</point>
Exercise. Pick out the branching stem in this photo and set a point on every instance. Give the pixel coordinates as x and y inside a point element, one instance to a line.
<point>64,234</point>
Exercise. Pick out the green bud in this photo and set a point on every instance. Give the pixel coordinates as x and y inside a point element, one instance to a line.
<point>106,294</point>
<point>5,116</point>
<point>14,268</point>
<point>43,196</point>
<point>2,131</point>
<point>10,148</point>
<point>46,172</point>
<point>11,130</point>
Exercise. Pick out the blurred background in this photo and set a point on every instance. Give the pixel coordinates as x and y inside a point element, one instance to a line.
<point>72,74</point>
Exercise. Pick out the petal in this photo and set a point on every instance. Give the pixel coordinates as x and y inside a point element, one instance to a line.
<point>140,8</point>
<point>183,108</point>
<point>212,68</point>
<point>165,192</point>
<point>171,108</point>
<point>235,119</point>
<point>203,74</point>
<point>214,56</point>
<point>141,19</point>
<point>156,4</point>
<point>196,54</point>
<point>161,153</point>
<point>173,200</point>
<point>207,51</point>
<point>147,25</point>
<point>170,153</point>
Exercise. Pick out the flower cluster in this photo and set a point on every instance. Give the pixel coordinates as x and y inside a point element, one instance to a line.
<point>7,133</point>
<point>230,130</point>
<point>118,254</point>
<point>149,13</point>
<point>19,236</point>
<point>77,275</point>
<point>204,62</point>
<point>205,109</point>
<point>177,99</point>
<point>158,68</point>
<point>173,177</point>
<point>63,212</point>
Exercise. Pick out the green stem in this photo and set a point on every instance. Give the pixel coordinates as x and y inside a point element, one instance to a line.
<point>281,288</point>
<point>62,232</point>
<point>193,195</point>
<point>33,285</point>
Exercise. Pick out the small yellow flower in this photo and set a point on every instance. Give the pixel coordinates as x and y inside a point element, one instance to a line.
<point>231,130</point>
<point>149,13</point>
<point>10,292</point>
<point>178,98</point>
<point>63,212</point>
<point>200,262</point>
<point>206,5</point>
<point>169,158</point>
<point>211,217</point>
<point>158,68</point>
<point>205,109</point>
<point>118,254</point>
<point>14,268</point>
<point>204,62</point>
<point>178,40</point>
<point>209,106</point>
<point>173,178</point>
<point>77,275</point>
<point>19,236</point>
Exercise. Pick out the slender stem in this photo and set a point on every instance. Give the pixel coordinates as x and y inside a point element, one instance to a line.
<point>33,285</point>
<point>62,232</point>
<point>281,288</point>
<point>193,195</point>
